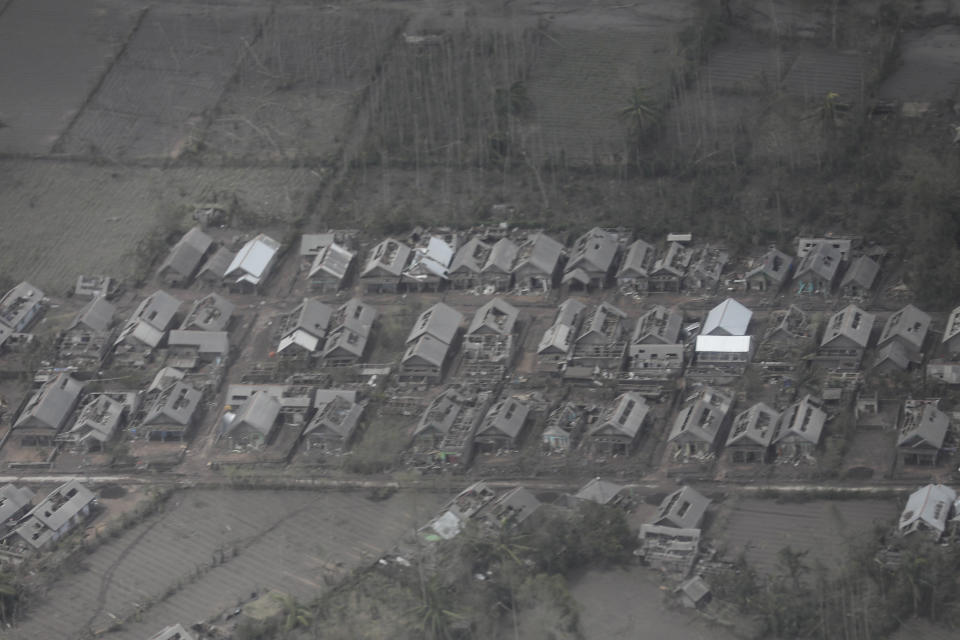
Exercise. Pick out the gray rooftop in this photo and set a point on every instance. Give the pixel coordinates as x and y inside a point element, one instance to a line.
<point>18,303</point>
<point>639,260</point>
<point>52,514</point>
<point>927,510</point>
<point>439,321</point>
<point>212,342</point>
<point>502,256</point>
<point>682,509</point>
<point>338,416</point>
<point>216,265</point>
<point>99,419</point>
<point>210,313</point>
<point>541,252</point>
<point>427,348</point>
<point>909,324</point>
<point>12,500</point>
<point>174,406</point>
<point>852,323</point>
<point>624,417</point>
<point>389,257</point>
<point>823,261</point>
<point>496,316</point>
<point>96,315</point>
<point>924,426</point>
<point>441,414</point>
<point>594,251</point>
<point>185,256</point>
<point>862,272</point>
<point>606,320</point>
<point>702,415</point>
<point>50,407</point>
<point>258,413</point>
<point>506,417</point>
<point>332,260</point>
<point>775,265</point>
<point>599,491</point>
<point>755,426</point>
<point>729,318</point>
<point>173,632</point>
<point>803,419</point>
<point>471,256</point>
<point>515,506</point>
<point>659,325</point>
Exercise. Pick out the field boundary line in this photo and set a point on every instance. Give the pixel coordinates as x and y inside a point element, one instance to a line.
<point>58,143</point>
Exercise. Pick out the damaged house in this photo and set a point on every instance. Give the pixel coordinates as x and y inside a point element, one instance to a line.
<point>497,273</point>
<point>445,431</point>
<point>350,330</point>
<point>502,426</point>
<point>429,344</point>
<point>655,349</point>
<point>330,268</point>
<point>951,335</point>
<point>618,428</point>
<point>537,263</point>
<point>20,306</point>
<point>184,259</point>
<point>729,318</point>
<point>697,428</point>
<point>592,260</point>
<point>87,341</point>
<point>54,517</point>
<point>771,274</point>
<point>255,423</point>
<point>633,275</point>
<point>488,345</point>
<point>334,424</point>
<point>385,264</point>
<point>468,263</point>
<point>100,419</point>
<point>554,347</point>
<point>193,349</point>
<point>15,502</point>
<point>751,435</point>
<point>704,272</point>
<point>685,508</point>
<point>171,414</point>
<point>901,342</point>
<point>213,272</point>
<point>922,433</point>
<point>212,312</point>
<point>799,429</point>
<point>859,278</point>
<point>845,338</point>
<point>668,272</point>
<point>427,270</point>
<point>303,332</point>
<point>602,340</point>
<point>251,267</point>
<point>817,272</point>
<point>927,511</point>
<point>47,411</point>
<point>146,329</point>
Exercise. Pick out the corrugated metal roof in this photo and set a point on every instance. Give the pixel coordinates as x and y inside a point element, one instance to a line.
<point>729,317</point>
<point>254,258</point>
<point>723,344</point>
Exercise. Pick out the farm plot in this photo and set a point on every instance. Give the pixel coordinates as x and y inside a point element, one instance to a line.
<point>824,528</point>
<point>815,74</point>
<point>929,67</point>
<point>181,566</point>
<point>171,74</point>
<point>64,219</point>
<point>298,85</point>
<point>55,53</point>
<point>582,81</point>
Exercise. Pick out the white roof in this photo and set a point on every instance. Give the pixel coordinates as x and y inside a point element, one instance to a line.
<point>300,337</point>
<point>730,317</point>
<point>254,258</point>
<point>723,344</point>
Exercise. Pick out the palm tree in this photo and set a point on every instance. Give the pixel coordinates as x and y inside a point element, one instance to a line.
<point>295,615</point>
<point>432,616</point>
<point>642,114</point>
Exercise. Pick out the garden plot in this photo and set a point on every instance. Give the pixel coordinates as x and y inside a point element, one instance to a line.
<point>55,52</point>
<point>582,81</point>
<point>295,541</point>
<point>298,85</point>
<point>64,219</point>
<point>746,69</point>
<point>815,74</point>
<point>823,528</point>
<point>929,67</point>
<point>172,72</point>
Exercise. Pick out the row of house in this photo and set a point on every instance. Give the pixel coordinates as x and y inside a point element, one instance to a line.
<point>30,528</point>
<point>196,256</point>
<point>314,331</point>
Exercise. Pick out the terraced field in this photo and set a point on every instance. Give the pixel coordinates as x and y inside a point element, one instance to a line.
<point>209,550</point>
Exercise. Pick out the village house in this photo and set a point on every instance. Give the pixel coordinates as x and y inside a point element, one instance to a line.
<point>212,312</point>
<point>333,425</point>
<point>350,328</point>
<point>697,428</point>
<point>502,427</point>
<point>592,260</point>
<point>87,341</point>
<point>93,286</point>
<point>66,507</point>
<point>602,340</point>
<point>655,348</point>
<point>927,511</point>
<point>330,269</point>
<point>184,259</point>
<point>818,270</point>
<point>729,318</point>
<point>47,411</point>
<point>788,328</point>
<point>193,349</point>
<point>510,509</point>
<point>668,272</point>
<point>618,428</point>
<point>842,246</point>
<point>171,414</point>
<point>771,273</point>
<point>634,272</point>
<point>213,272</point>
<point>15,503</point>
<point>429,344</point>
<point>845,338</point>
<point>605,493</point>
<point>427,270</point>
<point>721,356</point>
<point>146,329</point>
<point>468,262</point>
<point>922,433</point>
<point>704,272</point>
<point>951,335</point>
<point>751,434</point>
<point>554,347</point>
<point>303,332</point>
<point>385,264</point>
<point>100,419</point>
<point>251,267</point>
<point>313,243</point>
<point>20,307</point>
<point>537,263</point>
<point>497,273</point>
<point>254,424</point>
<point>685,508</point>
<point>489,339</point>
<point>901,342</point>
<point>446,428</point>
<point>800,428</point>
<point>859,278</point>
